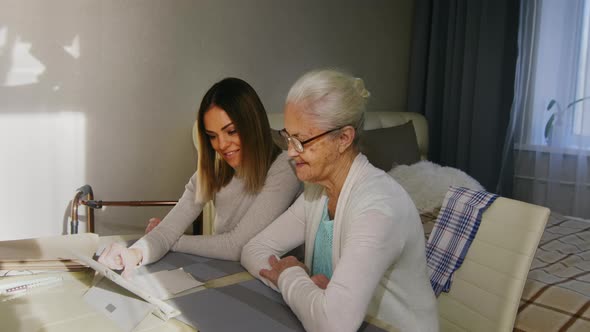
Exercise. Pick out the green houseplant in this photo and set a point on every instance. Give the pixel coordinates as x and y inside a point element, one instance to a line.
<point>558,113</point>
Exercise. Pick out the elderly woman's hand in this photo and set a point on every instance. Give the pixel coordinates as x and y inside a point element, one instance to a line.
<point>320,280</point>
<point>277,266</point>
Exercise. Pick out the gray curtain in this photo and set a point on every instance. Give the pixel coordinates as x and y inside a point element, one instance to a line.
<point>462,79</point>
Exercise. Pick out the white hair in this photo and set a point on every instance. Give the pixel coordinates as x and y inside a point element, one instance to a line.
<point>332,98</point>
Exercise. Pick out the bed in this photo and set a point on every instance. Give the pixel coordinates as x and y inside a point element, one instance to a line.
<point>556,296</point>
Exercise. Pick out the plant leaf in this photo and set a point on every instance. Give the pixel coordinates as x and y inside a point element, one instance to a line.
<point>549,126</point>
<point>577,101</point>
<point>551,104</point>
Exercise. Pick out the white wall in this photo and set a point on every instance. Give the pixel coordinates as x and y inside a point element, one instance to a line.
<point>105,92</point>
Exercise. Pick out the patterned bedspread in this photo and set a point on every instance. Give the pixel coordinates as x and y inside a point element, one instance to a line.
<point>556,296</point>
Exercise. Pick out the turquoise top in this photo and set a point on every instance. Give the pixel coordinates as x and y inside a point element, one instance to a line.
<point>322,249</point>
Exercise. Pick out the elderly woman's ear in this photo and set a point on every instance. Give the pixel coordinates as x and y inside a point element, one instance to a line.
<point>346,138</point>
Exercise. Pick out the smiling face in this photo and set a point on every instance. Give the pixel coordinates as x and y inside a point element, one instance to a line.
<point>319,157</point>
<point>223,135</point>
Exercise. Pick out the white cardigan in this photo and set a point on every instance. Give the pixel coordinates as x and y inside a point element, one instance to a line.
<point>378,256</point>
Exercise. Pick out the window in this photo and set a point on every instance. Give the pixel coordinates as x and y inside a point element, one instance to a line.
<point>559,113</point>
<point>581,124</point>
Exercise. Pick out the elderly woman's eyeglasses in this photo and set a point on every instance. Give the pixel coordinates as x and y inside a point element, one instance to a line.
<point>297,144</point>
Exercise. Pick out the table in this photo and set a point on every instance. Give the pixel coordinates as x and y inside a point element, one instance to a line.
<point>61,308</point>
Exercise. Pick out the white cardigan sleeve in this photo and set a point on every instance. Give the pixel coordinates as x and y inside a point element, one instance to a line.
<point>284,234</point>
<point>370,246</point>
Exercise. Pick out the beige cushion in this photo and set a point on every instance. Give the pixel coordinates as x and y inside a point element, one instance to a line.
<point>278,139</point>
<point>392,146</point>
<point>486,290</point>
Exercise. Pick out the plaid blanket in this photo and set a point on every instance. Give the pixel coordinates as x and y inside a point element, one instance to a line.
<point>453,232</point>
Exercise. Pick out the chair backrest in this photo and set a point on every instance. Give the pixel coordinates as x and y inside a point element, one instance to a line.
<point>487,288</point>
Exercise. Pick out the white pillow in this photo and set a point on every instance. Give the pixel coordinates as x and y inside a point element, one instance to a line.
<point>427,182</point>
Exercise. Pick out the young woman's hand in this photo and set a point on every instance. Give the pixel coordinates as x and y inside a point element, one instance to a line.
<point>117,257</point>
<point>153,222</point>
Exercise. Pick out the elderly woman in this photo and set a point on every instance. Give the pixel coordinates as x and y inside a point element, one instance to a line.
<point>364,242</point>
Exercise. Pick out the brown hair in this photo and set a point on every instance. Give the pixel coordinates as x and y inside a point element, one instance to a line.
<point>243,106</point>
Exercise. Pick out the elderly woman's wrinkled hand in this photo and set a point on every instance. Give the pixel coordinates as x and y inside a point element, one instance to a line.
<point>277,266</point>
<point>320,280</point>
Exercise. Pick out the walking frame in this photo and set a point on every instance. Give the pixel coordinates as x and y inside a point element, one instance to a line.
<point>85,196</point>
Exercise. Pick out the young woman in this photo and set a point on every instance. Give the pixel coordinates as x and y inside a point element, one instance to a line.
<point>239,167</point>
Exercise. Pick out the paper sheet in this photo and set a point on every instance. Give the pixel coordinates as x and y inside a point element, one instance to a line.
<point>123,308</point>
<point>165,284</point>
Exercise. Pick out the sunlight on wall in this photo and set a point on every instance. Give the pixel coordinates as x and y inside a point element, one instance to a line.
<point>3,32</point>
<point>43,162</point>
<point>74,48</point>
<point>25,68</point>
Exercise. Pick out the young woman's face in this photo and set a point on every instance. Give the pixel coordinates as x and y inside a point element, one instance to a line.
<point>223,135</point>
